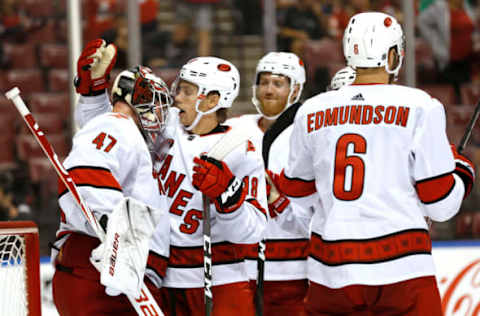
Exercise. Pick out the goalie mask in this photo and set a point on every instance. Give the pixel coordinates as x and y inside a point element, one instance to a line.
<point>368,39</point>
<point>283,64</point>
<point>150,99</point>
<point>210,74</point>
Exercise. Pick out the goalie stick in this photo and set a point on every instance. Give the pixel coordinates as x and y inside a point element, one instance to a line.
<point>468,130</point>
<point>143,305</point>
<point>219,151</point>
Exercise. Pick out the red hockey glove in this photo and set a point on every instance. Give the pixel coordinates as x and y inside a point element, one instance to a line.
<point>465,169</point>
<point>277,201</point>
<point>215,180</point>
<point>94,66</point>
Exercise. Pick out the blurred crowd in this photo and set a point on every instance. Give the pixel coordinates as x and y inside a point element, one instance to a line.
<point>447,53</point>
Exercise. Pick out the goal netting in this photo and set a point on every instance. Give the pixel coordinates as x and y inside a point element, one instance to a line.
<point>19,269</point>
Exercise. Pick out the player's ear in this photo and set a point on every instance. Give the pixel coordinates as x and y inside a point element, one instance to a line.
<point>296,91</point>
<point>393,58</point>
<point>212,99</point>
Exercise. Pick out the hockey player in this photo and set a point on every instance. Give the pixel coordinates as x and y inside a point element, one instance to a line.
<point>378,158</point>
<point>204,89</point>
<point>110,162</point>
<point>278,85</point>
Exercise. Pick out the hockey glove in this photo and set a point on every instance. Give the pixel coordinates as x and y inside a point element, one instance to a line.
<point>94,66</point>
<point>215,180</point>
<point>122,257</point>
<point>465,169</point>
<point>277,201</point>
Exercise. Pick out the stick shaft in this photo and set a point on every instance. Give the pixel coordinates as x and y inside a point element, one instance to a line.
<point>145,304</point>
<point>207,256</point>
<point>468,130</point>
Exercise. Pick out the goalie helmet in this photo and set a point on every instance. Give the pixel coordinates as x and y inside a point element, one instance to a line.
<point>368,39</point>
<point>343,77</point>
<point>210,74</point>
<point>150,99</point>
<point>284,64</point>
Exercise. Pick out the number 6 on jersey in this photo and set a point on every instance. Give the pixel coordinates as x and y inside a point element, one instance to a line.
<point>343,161</point>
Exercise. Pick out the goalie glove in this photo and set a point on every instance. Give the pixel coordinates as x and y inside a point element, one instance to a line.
<point>215,180</point>
<point>94,66</point>
<point>122,258</point>
<point>277,201</point>
<point>465,169</point>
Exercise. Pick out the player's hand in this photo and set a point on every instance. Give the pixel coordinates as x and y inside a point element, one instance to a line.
<point>215,180</point>
<point>277,201</point>
<point>465,169</point>
<point>94,66</point>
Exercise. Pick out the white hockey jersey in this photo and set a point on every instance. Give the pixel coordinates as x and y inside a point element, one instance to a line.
<point>286,247</point>
<point>109,160</point>
<point>229,232</point>
<point>379,160</point>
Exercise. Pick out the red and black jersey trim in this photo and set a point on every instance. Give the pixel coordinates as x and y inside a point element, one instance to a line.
<point>88,176</point>
<point>295,187</point>
<point>257,206</point>
<point>192,257</point>
<point>373,250</point>
<point>435,189</point>
<point>281,250</point>
<point>157,263</point>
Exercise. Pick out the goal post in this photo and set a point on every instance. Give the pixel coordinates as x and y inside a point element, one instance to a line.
<point>19,268</point>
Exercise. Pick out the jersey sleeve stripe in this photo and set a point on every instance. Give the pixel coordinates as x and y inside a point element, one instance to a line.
<point>296,187</point>
<point>157,263</point>
<point>91,176</point>
<point>192,257</point>
<point>258,206</point>
<point>375,250</point>
<point>435,189</point>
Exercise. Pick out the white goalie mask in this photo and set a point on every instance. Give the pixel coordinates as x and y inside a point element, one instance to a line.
<point>283,64</point>
<point>210,74</point>
<point>343,77</point>
<point>150,99</point>
<point>368,39</point>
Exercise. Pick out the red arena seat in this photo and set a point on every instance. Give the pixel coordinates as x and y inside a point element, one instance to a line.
<point>54,56</point>
<point>464,223</point>
<point>470,93</point>
<point>58,80</point>
<point>444,93</point>
<point>28,80</point>
<point>21,55</point>
<point>50,103</point>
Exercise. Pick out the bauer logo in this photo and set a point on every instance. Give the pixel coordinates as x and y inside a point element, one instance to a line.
<point>458,277</point>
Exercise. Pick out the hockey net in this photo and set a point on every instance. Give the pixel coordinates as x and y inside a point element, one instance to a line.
<point>19,269</point>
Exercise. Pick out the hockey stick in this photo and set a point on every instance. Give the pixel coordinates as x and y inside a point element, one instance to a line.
<point>222,148</point>
<point>145,304</point>
<point>468,130</point>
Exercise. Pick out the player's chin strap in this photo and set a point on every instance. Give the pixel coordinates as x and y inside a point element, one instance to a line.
<point>200,114</point>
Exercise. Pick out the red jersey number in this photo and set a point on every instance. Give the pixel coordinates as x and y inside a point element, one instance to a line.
<point>100,142</point>
<point>356,164</point>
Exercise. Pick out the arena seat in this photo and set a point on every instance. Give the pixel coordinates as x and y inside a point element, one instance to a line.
<point>476,224</point>
<point>28,80</point>
<point>39,8</point>
<point>50,103</point>
<point>47,33</point>
<point>443,92</point>
<point>7,154</point>
<point>28,148</point>
<point>464,223</point>
<point>58,80</point>
<point>322,53</point>
<point>21,55</point>
<point>54,56</point>
<point>470,93</point>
